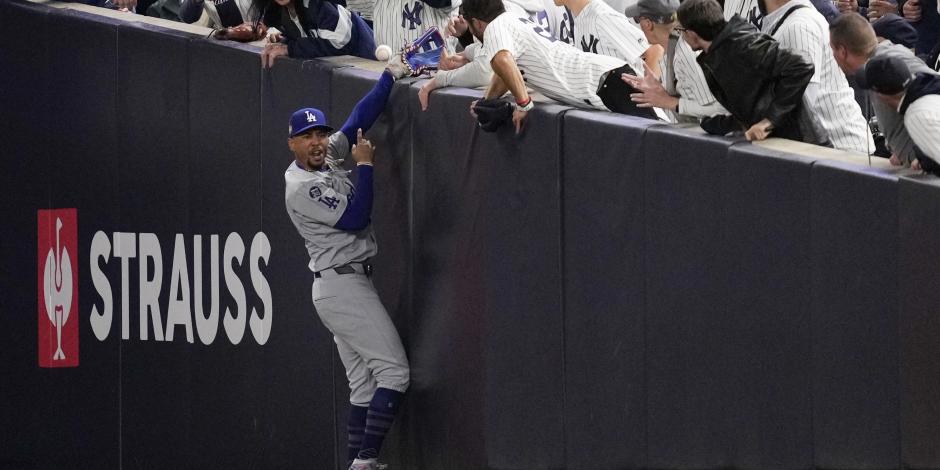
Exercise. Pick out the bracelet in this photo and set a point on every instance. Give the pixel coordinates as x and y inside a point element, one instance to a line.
<point>364,164</point>
<point>525,107</point>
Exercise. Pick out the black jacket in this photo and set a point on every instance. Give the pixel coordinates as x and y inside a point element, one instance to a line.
<point>754,78</point>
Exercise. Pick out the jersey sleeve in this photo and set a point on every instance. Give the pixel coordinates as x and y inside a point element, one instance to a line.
<point>318,202</point>
<point>499,36</point>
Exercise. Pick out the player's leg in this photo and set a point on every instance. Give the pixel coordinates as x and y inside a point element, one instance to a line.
<point>366,327</point>
<point>361,389</point>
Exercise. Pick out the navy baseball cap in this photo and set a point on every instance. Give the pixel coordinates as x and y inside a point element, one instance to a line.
<point>657,10</point>
<point>886,75</point>
<point>896,29</point>
<point>305,119</point>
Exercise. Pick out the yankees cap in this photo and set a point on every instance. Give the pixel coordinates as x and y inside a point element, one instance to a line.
<point>305,119</point>
<point>660,11</point>
<point>885,74</point>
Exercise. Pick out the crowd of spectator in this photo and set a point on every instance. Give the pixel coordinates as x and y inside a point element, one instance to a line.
<point>856,75</point>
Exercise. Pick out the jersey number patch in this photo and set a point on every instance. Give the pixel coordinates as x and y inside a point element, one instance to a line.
<point>538,29</point>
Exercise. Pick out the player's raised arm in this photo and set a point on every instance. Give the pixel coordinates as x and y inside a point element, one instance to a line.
<point>369,108</point>
<point>358,213</point>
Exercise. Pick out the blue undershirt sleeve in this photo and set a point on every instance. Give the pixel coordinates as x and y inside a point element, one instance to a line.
<point>369,108</point>
<point>358,213</point>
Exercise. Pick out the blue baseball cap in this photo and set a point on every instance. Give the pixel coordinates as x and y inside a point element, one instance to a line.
<point>896,29</point>
<point>305,119</point>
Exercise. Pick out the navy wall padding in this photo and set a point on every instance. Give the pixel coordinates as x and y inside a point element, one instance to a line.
<point>918,216</point>
<point>765,242</point>
<point>523,273</point>
<point>599,292</point>
<point>155,198</point>
<point>855,249</point>
<point>604,233</point>
<point>691,406</point>
<point>449,223</point>
<point>310,418</point>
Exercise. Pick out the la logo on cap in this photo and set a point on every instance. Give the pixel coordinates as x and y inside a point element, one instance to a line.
<point>310,117</point>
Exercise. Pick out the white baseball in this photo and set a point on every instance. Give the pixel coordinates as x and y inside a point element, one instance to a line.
<point>383,52</point>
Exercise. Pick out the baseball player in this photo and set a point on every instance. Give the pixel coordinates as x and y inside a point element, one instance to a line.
<point>518,46</point>
<point>333,217</point>
<point>602,30</point>
<point>401,22</point>
<point>798,27</point>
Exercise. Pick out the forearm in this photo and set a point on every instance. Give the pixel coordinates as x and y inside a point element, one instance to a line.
<point>688,107</point>
<point>358,214</point>
<point>369,108</point>
<point>506,76</point>
<point>473,75</point>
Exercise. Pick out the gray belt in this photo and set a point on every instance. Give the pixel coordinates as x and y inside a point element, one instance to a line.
<point>351,268</point>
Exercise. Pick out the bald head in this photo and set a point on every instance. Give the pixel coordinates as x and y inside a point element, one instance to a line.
<point>855,33</point>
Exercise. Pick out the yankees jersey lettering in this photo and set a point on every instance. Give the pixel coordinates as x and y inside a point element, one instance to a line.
<point>400,22</point>
<point>554,68</point>
<point>828,96</point>
<point>602,30</point>
<point>315,202</point>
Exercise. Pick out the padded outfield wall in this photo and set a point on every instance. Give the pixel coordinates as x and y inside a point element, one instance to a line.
<point>602,292</point>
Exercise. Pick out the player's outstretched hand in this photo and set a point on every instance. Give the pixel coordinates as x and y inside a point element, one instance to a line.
<point>362,150</point>
<point>272,51</point>
<point>759,131</point>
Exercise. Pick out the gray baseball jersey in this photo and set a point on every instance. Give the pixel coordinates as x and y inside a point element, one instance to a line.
<point>828,96</point>
<point>315,201</point>
<point>551,67</point>
<point>603,30</point>
<point>400,22</point>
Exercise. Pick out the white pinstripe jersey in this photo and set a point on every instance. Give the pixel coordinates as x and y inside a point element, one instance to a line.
<point>400,22</point>
<point>558,20</point>
<point>551,67</point>
<point>363,7</point>
<point>922,120</point>
<point>746,9</point>
<point>602,30</point>
<point>695,99</point>
<point>828,97</point>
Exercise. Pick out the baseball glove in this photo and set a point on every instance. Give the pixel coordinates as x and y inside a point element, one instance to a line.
<point>491,114</point>
<point>245,32</point>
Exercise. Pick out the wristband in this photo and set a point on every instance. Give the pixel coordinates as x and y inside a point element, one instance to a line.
<point>364,164</point>
<point>527,106</point>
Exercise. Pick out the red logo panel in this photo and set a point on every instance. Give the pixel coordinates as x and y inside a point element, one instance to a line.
<point>58,287</point>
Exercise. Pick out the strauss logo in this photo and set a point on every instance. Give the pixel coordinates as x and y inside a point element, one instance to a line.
<point>57,288</point>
